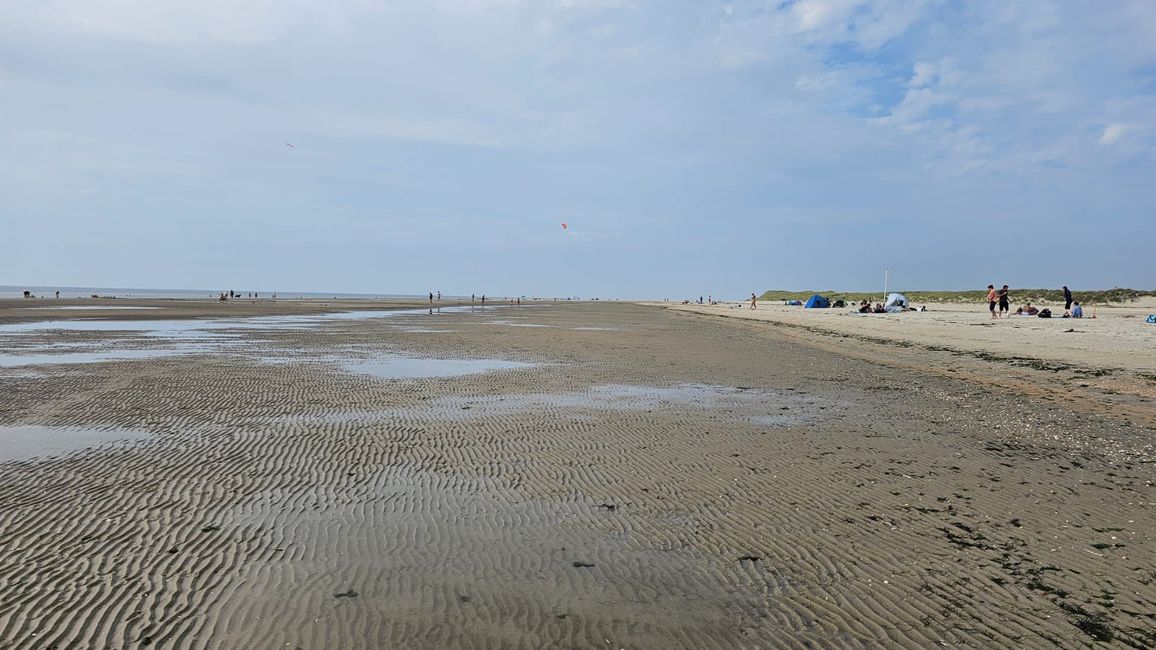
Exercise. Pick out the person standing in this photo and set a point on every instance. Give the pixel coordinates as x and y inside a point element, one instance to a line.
<point>753,301</point>
<point>1004,302</point>
<point>1067,300</point>
<point>431,297</point>
<point>991,300</point>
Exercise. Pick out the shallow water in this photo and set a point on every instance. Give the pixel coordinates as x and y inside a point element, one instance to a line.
<point>510,323</point>
<point>23,442</point>
<point>168,327</point>
<point>227,336</point>
<point>396,367</point>
<point>83,325</point>
<point>78,307</point>
<point>757,406</point>
<point>17,360</point>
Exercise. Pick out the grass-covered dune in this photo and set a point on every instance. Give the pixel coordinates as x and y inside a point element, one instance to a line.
<point>1099,296</point>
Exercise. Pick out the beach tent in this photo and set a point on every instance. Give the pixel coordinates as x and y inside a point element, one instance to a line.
<point>817,302</point>
<point>896,302</point>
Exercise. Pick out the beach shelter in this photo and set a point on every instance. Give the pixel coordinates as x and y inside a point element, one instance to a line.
<point>817,302</point>
<point>896,302</point>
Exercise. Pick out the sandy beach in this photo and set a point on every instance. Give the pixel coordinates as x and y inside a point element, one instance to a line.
<point>572,475</point>
<point>1105,364</point>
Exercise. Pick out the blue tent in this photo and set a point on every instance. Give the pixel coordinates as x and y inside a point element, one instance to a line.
<point>817,302</point>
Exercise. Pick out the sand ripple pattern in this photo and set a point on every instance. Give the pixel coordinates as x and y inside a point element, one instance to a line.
<point>653,480</point>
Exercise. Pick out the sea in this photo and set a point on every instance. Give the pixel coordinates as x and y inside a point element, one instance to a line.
<point>126,292</point>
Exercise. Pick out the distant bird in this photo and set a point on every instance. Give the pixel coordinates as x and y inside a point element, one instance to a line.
<point>290,146</point>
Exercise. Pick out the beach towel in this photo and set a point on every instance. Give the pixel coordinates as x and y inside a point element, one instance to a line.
<point>1152,318</point>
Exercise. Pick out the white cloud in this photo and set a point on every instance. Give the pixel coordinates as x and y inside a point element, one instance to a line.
<point>1112,133</point>
<point>171,21</point>
<point>868,24</point>
<point>421,129</point>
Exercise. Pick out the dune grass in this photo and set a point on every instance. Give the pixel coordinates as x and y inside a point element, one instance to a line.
<point>1099,296</point>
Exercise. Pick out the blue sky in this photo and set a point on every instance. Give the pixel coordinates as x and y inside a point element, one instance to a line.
<point>692,147</point>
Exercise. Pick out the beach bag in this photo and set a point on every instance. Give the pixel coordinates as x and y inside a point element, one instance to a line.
<point>1152,318</point>
<point>1045,313</point>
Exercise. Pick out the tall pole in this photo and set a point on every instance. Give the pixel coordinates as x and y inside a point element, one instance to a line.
<point>886,272</point>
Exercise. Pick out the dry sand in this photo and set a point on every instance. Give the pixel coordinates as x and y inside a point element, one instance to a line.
<point>650,479</point>
<point>1105,364</point>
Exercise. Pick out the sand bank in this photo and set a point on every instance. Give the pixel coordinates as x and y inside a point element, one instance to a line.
<point>1107,363</point>
<point>1118,338</point>
<point>642,478</point>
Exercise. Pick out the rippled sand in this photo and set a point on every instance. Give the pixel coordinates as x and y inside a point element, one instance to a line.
<point>613,476</point>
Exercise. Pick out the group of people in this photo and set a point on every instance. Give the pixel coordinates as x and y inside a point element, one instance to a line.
<point>1001,299</point>
<point>866,308</point>
<point>231,295</point>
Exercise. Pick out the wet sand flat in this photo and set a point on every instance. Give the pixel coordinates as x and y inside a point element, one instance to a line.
<point>557,476</point>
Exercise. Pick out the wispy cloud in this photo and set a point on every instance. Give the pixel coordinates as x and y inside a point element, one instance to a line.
<point>723,123</point>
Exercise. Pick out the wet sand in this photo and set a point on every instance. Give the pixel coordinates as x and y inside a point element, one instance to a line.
<point>561,475</point>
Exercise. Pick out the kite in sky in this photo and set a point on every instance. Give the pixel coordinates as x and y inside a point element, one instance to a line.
<point>290,146</point>
<point>565,226</point>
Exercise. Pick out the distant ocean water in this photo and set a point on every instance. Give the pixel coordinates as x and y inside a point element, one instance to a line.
<point>124,292</point>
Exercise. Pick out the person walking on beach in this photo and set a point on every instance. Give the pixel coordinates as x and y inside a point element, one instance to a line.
<point>1004,302</point>
<point>1067,300</point>
<point>753,301</point>
<point>991,300</point>
<point>431,297</point>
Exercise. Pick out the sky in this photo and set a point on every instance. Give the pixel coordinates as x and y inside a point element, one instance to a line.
<point>691,147</point>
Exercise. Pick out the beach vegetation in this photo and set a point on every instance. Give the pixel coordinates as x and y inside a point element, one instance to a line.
<point>1097,296</point>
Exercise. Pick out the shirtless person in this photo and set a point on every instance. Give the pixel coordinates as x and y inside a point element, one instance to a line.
<point>753,301</point>
<point>991,299</point>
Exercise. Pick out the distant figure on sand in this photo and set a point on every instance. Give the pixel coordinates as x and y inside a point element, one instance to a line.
<point>439,296</point>
<point>1004,301</point>
<point>754,301</point>
<point>1067,300</point>
<point>1077,310</point>
<point>431,297</point>
<point>991,300</point>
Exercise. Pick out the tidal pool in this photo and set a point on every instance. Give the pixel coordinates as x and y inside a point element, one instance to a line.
<point>396,367</point>
<point>22,442</point>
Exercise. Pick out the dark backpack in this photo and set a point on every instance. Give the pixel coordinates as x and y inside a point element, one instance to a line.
<point>1045,313</point>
